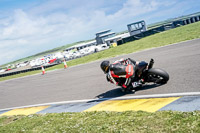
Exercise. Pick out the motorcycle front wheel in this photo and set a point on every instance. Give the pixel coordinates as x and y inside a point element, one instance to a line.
<point>157,76</point>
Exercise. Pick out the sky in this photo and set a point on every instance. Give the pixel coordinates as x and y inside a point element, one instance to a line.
<point>28,27</point>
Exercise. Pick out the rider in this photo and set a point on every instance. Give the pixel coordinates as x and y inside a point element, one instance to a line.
<point>124,73</point>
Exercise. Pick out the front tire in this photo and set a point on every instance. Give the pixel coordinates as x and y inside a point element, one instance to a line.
<point>157,76</point>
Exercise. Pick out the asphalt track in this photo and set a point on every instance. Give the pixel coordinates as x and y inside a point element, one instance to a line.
<point>181,61</point>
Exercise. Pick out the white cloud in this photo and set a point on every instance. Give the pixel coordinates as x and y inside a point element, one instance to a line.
<point>132,9</point>
<point>53,23</point>
<point>20,26</point>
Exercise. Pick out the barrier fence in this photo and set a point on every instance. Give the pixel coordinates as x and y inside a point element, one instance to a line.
<point>26,70</point>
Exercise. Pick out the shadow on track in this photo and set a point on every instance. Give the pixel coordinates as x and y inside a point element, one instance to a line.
<point>118,93</point>
<point>146,87</point>
<point>112,93</point>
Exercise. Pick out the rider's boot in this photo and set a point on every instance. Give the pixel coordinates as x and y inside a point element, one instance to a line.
<point>138,83</point>
<point>128,89</point>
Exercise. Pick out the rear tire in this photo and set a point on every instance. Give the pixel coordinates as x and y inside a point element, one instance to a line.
<point>158,76</point>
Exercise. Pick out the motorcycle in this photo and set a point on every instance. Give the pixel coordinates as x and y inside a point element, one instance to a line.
<point>137,73</point>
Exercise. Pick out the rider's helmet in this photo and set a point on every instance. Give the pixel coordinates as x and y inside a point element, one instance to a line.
<point>105,66</point>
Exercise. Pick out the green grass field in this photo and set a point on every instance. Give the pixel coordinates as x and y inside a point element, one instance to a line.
<point>103,122</point>
<point>180,34</point>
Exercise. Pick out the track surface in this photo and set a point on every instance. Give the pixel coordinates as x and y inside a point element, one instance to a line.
<point>181,61</point>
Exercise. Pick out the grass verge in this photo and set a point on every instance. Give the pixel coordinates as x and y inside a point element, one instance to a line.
<point>179,34</point>
<point>92,122</point>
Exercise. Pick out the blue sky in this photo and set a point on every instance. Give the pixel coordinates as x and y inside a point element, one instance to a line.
<point>28,27</point>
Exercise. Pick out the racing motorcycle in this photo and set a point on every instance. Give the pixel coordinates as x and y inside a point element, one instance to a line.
<point>150,74</point>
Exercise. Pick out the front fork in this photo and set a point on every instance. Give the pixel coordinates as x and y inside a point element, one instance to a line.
<point>145,72</point>
<point>151,64</point>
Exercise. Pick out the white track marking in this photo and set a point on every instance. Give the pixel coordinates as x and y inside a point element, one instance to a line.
<point>115,98</point>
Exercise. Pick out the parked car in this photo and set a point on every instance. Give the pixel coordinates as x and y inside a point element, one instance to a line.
<point>101,47</point>
<point>2,70</point>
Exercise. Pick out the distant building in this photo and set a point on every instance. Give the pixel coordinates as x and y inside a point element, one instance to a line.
<point>101,36</point>
<point>70,48</point>
<point>81,45</point>
<point>137,28</point>
<point>85,45</point>
<point>112,40</point>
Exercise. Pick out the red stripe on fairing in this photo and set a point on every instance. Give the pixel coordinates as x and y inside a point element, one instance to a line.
<point>124,86</point>
<point>113,75</point>
<point>129,71</point>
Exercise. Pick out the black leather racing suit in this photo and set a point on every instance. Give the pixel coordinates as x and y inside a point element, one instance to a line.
<point>121,72</point>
